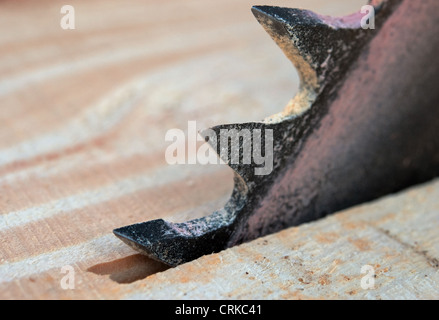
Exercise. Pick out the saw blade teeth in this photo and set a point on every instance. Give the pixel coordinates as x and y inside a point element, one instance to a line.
<point>247,148</point>
<point>176,243</point>
<point>267,15</point>
<point>141,235</point>
<point>313,43</point>
<point>322,50</point>
<point>151,238</point>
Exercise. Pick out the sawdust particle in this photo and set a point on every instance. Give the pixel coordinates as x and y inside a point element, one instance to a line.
<point>303,281</point>
<point>352,292</point>
<point>326,237</point>
<point>360,244</point>
<point>324,280</point>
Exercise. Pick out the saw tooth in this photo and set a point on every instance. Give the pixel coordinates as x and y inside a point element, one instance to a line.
<point>177,243</point>
<point>278,23</point>
<point>245,147</point>
<point>142,236</point>
<point>315,44</point>
<point>155,239</point>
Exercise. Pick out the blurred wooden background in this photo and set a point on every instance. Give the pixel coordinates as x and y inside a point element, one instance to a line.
<point>83,116</point>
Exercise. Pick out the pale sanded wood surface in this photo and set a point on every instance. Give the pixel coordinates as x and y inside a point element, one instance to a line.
<point>396,237</point>
<point>83,116</point>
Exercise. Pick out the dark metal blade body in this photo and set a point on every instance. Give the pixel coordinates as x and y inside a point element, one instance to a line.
<point>364,124</point>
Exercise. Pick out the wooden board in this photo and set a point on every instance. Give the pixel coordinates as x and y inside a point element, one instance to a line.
<point>384,250</point>
<point>83,116</point>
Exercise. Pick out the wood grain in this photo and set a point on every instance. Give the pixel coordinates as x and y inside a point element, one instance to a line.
<point>396,236</point>
<point>83,116</point>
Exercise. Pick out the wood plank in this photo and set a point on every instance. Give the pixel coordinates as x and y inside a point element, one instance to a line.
<point>83,115</point>
<point>396,236</point>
